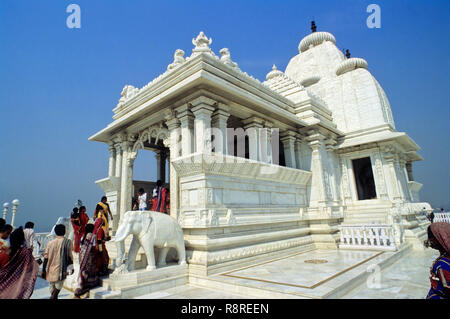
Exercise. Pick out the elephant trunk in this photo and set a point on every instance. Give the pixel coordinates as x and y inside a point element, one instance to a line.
<point>122,232</point>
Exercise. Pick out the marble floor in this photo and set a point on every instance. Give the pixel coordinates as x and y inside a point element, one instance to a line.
<point>408,278</point>
<point>313,274</point>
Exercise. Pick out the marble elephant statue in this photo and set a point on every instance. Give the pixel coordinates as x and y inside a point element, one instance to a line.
<point>149,229</point>
<point>69,229</point>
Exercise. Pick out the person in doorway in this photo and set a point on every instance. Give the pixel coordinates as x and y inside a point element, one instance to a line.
<point>142,199</point>
<point>58,259</point>
<point>159,201</point>
<point>18,276</point>
<point>439,239</point>
<point>134,204</point>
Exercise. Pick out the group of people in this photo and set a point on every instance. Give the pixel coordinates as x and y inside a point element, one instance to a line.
<point>19,268</point>
<point>160,201</point>
<point>90,242</point>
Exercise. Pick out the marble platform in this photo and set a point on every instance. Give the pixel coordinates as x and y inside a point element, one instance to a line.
<point>404,275</point>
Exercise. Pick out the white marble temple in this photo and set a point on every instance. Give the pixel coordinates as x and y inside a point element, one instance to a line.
<point>263,169</point>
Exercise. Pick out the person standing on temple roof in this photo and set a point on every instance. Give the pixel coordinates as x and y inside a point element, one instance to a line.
<point>79,221</point>
<point>439,239</point>
<point>160,201</point>
<point>57,260</point>
<point>18,276</point>
<point>142,199</point>
<point>431,216</point>
<point>106,214</point>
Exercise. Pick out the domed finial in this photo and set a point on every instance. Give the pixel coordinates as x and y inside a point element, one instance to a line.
<point>313,26</point>
<point>347,54</point>
<point>274,73</point>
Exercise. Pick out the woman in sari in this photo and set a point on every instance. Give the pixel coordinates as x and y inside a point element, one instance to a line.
<point>106,214</point>
<point>100,212</point>
<point>79,221</point>
<point>18,277</point>
<point>88,277</point>
<point>439,239</point>
<point>102,256</point>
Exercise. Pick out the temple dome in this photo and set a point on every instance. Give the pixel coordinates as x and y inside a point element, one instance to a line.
<point>274,73</point>
<point>314,39</point>
<point>351,92</point>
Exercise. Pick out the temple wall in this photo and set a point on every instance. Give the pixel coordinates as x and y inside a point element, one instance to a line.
<point>243,216</point>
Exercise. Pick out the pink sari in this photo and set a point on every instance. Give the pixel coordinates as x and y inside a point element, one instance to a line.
<point>18,277</point>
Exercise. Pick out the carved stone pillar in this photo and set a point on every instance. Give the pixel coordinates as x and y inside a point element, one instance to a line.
<point>161,165</point>
<point>298,151</point>
<point>118,172</point>
<point>288,140</point>
<point>266,143</point>
<point>390,158</point>
<point>187,129</point>
<point>219,121</point>
<point>112,160</point>
<point>252,128</point>
<point>173,124</point>
<point>403,174</point>
<point>320,188</point>
<point>127,177</point>
<point>202,109</point>
<point>380,181</point>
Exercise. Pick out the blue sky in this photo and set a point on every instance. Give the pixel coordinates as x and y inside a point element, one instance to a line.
<point>58,86</point>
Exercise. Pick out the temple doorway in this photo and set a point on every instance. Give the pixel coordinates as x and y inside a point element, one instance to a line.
<point>151,165</point>
<point>365,183</point>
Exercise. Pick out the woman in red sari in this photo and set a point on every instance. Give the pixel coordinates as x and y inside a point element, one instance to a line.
<point>88,277</point>
<point>102,256</point>
<point>79,221</point>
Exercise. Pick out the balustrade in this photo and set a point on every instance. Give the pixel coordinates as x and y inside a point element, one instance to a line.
<point>441,217</point>
<point>379,237</point>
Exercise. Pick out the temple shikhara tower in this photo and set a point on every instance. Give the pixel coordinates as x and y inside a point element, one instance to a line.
<point>260,170</point>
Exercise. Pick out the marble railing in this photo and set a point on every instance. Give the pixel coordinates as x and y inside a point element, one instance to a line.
<point>44,240</point>
<point>441,217</point>
<point>377,236</point>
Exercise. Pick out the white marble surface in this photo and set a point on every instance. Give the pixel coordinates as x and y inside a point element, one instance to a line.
<point>407,278</point>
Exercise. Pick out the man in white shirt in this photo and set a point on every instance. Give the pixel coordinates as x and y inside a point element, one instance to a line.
<point>142,199</point>
<point>30,236</point>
